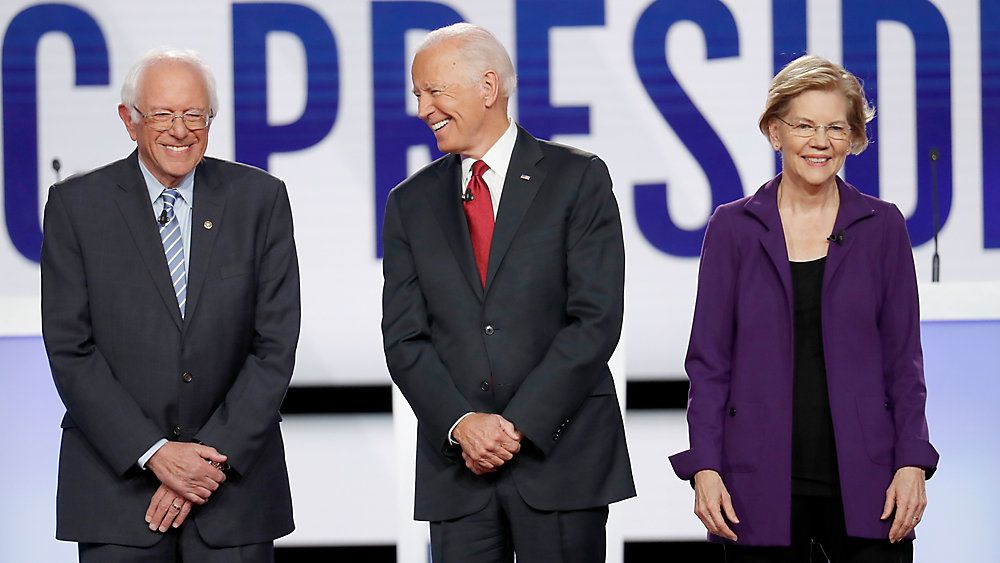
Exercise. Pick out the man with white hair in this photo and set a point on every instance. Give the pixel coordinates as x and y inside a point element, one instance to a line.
<point>503,297</point>
<point>170,314</point>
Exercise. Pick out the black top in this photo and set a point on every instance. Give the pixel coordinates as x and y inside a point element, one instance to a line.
<point>814,452</point>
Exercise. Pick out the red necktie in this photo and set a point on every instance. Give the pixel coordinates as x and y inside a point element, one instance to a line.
<point>479,215</point>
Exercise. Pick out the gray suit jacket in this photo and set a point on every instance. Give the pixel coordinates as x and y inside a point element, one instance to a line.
<point>119,349</point>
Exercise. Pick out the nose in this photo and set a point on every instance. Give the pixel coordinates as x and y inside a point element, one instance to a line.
<point>178,128</point>
<point>820,138</point>
<point>424,107</point>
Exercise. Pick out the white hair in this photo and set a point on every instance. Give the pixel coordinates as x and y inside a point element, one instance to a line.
<point>481,50</point>
<point>133,80</point>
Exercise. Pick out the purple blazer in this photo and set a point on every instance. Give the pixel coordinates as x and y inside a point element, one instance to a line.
<point>740,362</point>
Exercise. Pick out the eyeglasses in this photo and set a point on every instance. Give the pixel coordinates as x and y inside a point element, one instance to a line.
<point>194,120</point>
<point>836,131</point>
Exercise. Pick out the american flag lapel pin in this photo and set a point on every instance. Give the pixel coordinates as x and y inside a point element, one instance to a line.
<point>525,177</point>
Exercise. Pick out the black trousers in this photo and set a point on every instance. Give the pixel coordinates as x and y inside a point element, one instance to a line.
<point>819,536</point>
<point>507,525</point>
<point>179,545</point>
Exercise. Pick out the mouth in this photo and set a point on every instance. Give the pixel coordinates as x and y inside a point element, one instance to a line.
<point>177,148</point>
<point>816,160</point>
<point>440,124</point>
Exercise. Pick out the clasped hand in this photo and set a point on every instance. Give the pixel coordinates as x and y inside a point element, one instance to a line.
<point>188,474</point>
<point>181,467</point>
<point>488,441</point>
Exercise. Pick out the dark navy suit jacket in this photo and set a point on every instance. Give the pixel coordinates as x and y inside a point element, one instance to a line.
<point>119,349</point>
<point>740,362</point>
<point>544,327</point>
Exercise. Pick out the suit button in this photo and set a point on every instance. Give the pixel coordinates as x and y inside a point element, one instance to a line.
<point>187,377</point>
<point>732,411</point>
<point>489,330</point>
<point>485,385</point>
<point>886,405</point>
<point>176,431</point>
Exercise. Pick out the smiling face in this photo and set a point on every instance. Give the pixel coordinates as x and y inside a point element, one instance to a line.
<point>175,87</point>
<point>462,108</point>
<point>811,163</point>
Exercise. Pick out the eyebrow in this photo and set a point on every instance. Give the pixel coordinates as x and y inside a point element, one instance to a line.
<point>834,122</point>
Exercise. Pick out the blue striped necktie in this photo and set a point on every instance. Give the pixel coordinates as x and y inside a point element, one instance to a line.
<point>173,247</point>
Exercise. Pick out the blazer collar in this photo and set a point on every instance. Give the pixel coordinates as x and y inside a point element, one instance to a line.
<point>854,206</point>
<point>763,205</point>
<point>520,186</point>
<point>523,179</point>
<point>444,197</point>
<point>132,198</point>
<point>206,224</point>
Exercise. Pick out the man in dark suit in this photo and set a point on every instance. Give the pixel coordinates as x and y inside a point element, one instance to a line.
<point>170,314</point>
<point>504,282</point>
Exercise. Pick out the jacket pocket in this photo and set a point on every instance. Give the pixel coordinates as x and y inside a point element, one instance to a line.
<point>878,428</point>
<point>742,436</point>
<point>238,269</point>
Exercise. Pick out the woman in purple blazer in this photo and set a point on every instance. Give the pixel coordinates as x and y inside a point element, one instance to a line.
<point>806,410</point>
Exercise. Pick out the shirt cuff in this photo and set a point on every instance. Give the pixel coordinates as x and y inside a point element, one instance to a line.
<point>453,426</point>
<point>149,453</point>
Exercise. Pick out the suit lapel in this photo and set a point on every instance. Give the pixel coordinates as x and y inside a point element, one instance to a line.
<point>132,199</point>
<point>444,195</point>
<point>853,208</point>
<point>518,193</point>
<point>206,222</point>
<point>764,206</point>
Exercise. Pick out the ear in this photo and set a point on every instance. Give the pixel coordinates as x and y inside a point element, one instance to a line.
<point>126,116</point>
<point>491,88</point>
<point>772,133</point>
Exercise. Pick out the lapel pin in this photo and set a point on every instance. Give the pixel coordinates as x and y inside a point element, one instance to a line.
<point>208,225</point>
<point>525,177</point>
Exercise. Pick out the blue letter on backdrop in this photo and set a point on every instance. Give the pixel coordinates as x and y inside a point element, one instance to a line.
<point>933,83</point>
<point>534,20</point>
<point>256,139</point>
<point>721,40</point>
<point>989,37</point>
<point>20,107</point>
<point>395,130</point>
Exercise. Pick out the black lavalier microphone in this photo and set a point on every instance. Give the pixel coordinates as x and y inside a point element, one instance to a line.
<point>163,217</point>
<point>467,196</point>
<point>56,167</point>
<point>836,238</point>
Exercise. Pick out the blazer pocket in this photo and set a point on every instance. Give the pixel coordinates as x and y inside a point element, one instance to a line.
<point>878,428</point>
<point>743,436</point>
<point>539,239</point>
<point>238,269</point>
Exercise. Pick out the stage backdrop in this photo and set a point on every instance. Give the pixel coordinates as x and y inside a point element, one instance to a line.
<point>667,92</point>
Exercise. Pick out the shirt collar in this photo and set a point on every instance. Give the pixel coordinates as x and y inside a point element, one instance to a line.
<point>155,188</point>
<point>498,157</point>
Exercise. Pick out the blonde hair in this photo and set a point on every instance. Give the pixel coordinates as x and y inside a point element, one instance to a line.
<point>810,72</point>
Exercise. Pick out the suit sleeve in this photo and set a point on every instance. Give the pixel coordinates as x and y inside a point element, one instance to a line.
<point>709,355</point>
<point>97,403</point>
<point>241,424</point>
<point>903,363</point>
<point>578,356</point>
<point>413,363</point>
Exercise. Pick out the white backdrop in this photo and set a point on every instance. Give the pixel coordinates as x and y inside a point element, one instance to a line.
<point>332,182</point>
